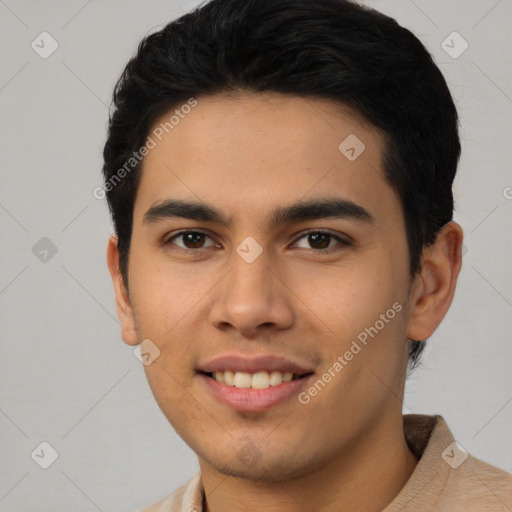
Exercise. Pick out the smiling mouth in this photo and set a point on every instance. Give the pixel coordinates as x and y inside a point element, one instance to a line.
<point>256,380</point>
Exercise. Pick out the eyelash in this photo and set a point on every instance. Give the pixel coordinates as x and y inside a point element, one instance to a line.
<point>341,242</point>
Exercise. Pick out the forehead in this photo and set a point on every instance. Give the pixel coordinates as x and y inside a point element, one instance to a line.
<point>254,151</point>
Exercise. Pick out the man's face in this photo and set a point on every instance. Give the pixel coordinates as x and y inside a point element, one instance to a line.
<point>307,289</point>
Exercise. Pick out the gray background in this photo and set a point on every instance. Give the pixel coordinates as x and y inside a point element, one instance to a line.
<point>65,375</point>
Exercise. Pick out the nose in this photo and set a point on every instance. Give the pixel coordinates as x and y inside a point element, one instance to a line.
<point>252,299</point>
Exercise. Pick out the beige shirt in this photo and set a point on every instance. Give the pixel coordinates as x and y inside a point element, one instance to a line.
<point>446,478</point>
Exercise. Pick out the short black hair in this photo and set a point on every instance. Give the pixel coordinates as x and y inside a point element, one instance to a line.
<point>327,49</point>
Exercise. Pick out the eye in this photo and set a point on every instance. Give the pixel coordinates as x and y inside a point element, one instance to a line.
<point>190,240</point>
<point>321,241</point>
<point>318,241</point>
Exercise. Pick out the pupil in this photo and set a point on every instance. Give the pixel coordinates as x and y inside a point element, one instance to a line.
<point>316,238</point>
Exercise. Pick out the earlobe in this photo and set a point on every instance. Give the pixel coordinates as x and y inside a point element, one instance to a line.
<point>123,305</point>
<point>433,290</point>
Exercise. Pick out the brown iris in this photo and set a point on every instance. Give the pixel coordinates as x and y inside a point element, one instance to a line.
<point>321,239</point>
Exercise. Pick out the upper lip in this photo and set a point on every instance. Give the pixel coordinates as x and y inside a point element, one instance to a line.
<point>254,364</point>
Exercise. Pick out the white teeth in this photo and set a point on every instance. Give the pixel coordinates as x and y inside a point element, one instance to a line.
<point>242,380</point>
<point>258,380</point>
<point>229,378</point>
<point>276,378</point>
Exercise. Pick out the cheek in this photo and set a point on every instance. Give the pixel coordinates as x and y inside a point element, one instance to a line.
<point>167,387</point>
<point>364,311</point>
<point>348,299</point>
<point>164,295</point>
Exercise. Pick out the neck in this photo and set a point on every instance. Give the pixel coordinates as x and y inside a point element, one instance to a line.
<point>367,476</point>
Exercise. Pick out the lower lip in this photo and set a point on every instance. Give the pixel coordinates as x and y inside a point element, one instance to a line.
<point>253,400</point>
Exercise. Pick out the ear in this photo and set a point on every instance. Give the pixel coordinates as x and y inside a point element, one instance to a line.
<point>123,306</point>
<point>433,289</point>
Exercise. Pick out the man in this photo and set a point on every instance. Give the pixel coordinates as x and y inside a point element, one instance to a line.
<point>279,174</point>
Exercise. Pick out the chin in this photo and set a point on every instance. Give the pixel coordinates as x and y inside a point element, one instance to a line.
<point>264,468</point>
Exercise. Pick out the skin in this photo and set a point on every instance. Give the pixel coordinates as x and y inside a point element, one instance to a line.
<point>247,154</point>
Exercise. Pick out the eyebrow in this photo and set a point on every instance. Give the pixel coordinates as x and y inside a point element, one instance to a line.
<point>300,211</point>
